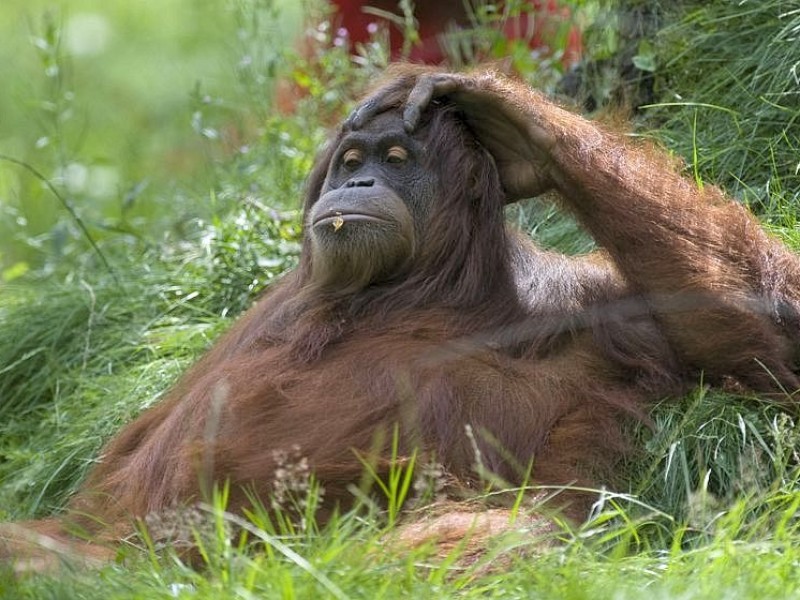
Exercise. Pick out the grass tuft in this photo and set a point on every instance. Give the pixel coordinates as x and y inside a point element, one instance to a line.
<point>731,105</point>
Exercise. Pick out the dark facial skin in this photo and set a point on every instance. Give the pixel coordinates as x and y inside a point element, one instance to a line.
<point>366,224</point>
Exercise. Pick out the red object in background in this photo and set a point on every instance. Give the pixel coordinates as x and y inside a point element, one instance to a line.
<point>434,16</point>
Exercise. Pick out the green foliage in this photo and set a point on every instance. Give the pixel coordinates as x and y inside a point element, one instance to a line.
<point>485,40</point>
<point>91,146</point>
<point>102,106</point>
<point>353,559</point>
<point>245,251</point>
<point>711,455</point>
<point>730,100</point>
<point>78,360</point>
<point>551,227</point>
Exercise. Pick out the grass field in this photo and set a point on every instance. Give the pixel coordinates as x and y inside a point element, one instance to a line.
<point>161,138</point>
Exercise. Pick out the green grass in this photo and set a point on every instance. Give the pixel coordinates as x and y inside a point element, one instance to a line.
<point>728,76</point>
<point>711,506</point>
<point>351,560</point>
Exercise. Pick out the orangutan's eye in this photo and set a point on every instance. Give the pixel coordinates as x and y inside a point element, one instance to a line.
<point>396,155</point>
<point>352,159</point>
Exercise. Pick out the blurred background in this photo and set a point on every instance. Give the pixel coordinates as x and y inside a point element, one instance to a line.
<point>110,102</point>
